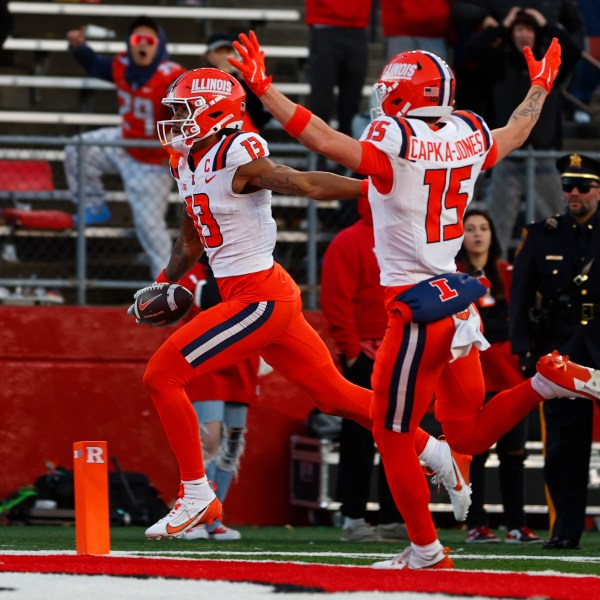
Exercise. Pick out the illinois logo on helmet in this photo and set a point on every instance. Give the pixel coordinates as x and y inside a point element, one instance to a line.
<point>203,101</point>
<point>415,84</point>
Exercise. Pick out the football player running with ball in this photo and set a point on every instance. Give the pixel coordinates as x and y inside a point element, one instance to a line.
<point>225,179</point>
<point>422,159</point>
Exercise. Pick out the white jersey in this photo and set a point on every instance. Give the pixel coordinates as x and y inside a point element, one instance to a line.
<point>237,230</point>
<point>418,223</point>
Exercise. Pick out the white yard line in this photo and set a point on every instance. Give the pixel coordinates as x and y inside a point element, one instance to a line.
<point>247,555</point>
<point>33,586</point>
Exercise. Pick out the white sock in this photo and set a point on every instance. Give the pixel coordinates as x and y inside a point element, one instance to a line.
<point>432,454</point>
<point>542,387</point>
<point>199,489</point>
<point>428,551</point>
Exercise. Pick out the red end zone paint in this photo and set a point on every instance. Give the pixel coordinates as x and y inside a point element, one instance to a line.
<point>328,578</point>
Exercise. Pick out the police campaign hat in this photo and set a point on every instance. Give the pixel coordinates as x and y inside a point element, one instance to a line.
<point>578,166</point>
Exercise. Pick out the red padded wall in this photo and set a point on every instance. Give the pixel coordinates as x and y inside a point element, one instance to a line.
<point>71,374</point>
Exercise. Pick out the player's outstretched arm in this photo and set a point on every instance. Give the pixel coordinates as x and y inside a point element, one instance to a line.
<point>526,115</point>
<point>299,122</point>
<point>318,185</point>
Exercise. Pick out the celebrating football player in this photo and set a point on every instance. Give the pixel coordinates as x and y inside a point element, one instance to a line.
<point>224,177</point>
<point>422,159</point>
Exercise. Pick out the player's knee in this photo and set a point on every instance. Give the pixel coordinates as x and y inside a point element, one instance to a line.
<point>153,379</point>
<point>231,449</point>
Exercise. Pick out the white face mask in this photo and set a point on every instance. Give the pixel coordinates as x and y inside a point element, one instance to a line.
<point>182,146</point>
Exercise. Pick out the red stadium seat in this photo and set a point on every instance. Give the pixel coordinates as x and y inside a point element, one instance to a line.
<point>26,176</point>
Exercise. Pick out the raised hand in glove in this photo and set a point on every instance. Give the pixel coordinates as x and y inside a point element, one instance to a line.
<point>527,362</point>
<point>543,72</point>
<point>252,65</point>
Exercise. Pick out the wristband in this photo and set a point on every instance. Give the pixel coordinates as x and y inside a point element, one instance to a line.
<point>364,187</point>
<point>162,277</point>
<point>300,119</point>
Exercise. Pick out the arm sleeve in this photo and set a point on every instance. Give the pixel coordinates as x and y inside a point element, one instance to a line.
<point>94,64</point>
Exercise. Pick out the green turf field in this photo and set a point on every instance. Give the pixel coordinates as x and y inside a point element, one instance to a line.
<point>317,544</point>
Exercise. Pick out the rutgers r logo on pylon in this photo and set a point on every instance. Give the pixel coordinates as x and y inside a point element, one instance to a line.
<point>95,454</point>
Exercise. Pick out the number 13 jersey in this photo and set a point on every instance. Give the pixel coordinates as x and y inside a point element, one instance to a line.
<point>237,230</point>
<point>418,219</point>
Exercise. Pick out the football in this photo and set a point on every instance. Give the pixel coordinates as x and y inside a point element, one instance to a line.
<point>162,304</point>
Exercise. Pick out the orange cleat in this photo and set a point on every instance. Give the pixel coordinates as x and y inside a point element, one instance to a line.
<point>567,379</point>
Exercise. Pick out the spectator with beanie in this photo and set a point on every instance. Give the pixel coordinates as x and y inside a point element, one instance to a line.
<point>498,49</point>
<point>142,76</point>
<point>555,303</point>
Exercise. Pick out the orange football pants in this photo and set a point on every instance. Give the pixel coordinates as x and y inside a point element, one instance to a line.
<point>412,367</point>
<point>227,334</point>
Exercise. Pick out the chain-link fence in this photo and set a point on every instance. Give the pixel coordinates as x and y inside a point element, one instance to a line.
<point>81,223</point>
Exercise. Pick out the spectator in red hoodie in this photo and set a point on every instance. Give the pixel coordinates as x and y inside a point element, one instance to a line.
<point>409,25</point>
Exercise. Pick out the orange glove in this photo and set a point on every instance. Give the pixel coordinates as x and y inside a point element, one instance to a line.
<point>543,72</point>
<point>252,65</point>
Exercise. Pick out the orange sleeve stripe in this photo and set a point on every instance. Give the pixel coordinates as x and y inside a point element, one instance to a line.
<point>492,157</point>
<point>377,165</point>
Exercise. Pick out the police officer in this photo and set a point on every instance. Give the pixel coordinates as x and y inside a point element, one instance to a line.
<point>555,303</point>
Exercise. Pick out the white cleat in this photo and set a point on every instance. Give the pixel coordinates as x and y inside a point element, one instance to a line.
<point>197,532</point>
<point>451,478</point>
<point>409,559</point>
<point>222,533</point>
<point>186,513</point>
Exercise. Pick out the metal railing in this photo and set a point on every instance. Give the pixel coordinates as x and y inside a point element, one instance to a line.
<point>109,256</point>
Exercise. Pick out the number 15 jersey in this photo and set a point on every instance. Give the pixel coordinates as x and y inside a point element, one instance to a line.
<point>418,215</point>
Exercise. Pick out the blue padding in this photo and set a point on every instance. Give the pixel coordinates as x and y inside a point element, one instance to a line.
<point>441,296</point>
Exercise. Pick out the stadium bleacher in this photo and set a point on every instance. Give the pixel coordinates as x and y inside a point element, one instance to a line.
<point>43,93</point>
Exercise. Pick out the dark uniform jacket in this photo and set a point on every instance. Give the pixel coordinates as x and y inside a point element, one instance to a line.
<point>567,317</point>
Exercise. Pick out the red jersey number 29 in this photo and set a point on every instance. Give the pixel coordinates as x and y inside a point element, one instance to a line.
<point>444,196</point>
<point>204,217</point>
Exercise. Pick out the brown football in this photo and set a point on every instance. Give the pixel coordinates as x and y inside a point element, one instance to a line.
<point>163,304</point>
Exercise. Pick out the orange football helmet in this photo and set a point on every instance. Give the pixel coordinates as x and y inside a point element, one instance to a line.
<point>203,101</point>
<point>415,84</point>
